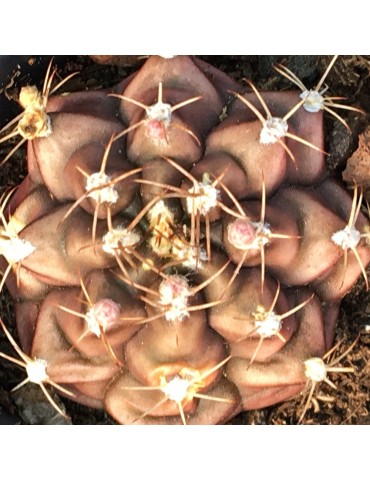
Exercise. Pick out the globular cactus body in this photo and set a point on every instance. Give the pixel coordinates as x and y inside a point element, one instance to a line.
<point>182,265</point>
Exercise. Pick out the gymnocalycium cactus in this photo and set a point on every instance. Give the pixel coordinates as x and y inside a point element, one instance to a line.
<point>178,251</point>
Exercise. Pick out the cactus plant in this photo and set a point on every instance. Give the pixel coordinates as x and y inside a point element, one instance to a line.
<point>178,250</point>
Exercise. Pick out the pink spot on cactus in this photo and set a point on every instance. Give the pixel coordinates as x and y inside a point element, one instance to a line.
<point>106,312</point>
<point>241,233</point>
<point>155,130</point>
<point>174,292</point>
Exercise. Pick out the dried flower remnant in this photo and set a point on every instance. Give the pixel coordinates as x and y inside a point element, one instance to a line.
<point>33,122</point>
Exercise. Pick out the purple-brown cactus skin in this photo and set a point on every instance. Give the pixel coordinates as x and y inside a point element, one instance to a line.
<point>180,269</point>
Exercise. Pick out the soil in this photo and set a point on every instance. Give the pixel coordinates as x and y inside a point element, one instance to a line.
<point>350,78</point>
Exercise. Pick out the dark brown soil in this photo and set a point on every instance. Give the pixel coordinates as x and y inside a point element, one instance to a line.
<point>350,402</point>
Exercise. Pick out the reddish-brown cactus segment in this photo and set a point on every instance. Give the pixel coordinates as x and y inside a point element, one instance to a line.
<point>66,365</point>
<point>352,238</point>
<point>278,234</point>
<point>317,253</point>
<point>100,179</point>
<point>281,376</point>
<point>130,403</point>
<point>67,246</point>
<point>100,316</point>
<point>241,142</point>
<point>71,131</point>
<point>96,104</point>
<point>308,165</point>
<point>187,94</point>
<point>30,202</point>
